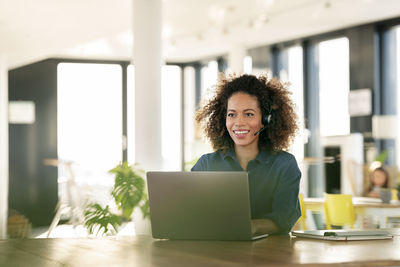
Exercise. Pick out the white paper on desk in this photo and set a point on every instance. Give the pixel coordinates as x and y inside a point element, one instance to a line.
<point>353,234</point>
<point>366,200</point>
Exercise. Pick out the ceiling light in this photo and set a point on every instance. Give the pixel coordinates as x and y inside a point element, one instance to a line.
<point>172,42</point>
<point>263,18</point>
<point>268,3</point>
<point>231,9</point>
<point>327,4</point>
<point>251,24</point>
<point>265,3</point>
<point>167,31</point>
<point>216,14</point>
<point>125,38</point>
<point>319,10</point>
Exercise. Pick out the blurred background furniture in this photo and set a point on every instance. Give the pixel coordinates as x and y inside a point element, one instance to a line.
<point>303,217</point>
<point>18,226</point>
<point>339,210</point>
<point>363,207</point>
<point>71,201</point>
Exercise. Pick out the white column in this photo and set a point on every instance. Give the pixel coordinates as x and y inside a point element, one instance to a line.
<point>236,57</point>
<point>147,60</point>
<point>3,146</point>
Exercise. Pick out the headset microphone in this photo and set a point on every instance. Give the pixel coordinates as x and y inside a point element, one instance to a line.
<point>258,132</point>
<point>265,120</point>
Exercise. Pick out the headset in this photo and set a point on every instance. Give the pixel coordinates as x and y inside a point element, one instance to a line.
<point>266,119</point>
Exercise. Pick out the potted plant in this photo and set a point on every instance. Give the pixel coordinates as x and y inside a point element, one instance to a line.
<point>129,193</point>
<point>129,190</point>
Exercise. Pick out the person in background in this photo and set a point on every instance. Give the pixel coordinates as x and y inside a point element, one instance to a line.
<point>379,178</point>
<point>250,123</point>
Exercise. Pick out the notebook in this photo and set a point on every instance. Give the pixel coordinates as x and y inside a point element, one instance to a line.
<point>352,234</point>
<point>200,205</point>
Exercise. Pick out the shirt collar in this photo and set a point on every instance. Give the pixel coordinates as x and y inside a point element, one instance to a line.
<point>262,157</point>
<point>229,153</point>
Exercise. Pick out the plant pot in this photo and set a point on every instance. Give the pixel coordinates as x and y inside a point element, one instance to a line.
<point>142,226</point>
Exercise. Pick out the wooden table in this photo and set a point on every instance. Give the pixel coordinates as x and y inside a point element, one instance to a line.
<point>363,206</point>
<point>145,251</point>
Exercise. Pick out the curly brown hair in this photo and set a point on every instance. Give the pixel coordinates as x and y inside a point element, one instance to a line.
<point>273,98</point>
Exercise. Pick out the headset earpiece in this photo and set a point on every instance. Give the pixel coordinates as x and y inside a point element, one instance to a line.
<point>266,119</point>
<point>269,118</point>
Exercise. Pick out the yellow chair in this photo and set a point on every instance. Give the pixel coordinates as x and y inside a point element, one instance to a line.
<point>303,216</point>
<point>394,194</point>
<point>339,210</point>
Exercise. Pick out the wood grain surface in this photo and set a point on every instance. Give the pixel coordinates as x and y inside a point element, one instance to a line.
<point>145,251</point>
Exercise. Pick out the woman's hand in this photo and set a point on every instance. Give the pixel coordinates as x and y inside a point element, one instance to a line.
<point>373,194</point>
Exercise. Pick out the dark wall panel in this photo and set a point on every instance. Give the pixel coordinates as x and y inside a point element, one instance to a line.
<point>33,185</point>
<point>362,70</point>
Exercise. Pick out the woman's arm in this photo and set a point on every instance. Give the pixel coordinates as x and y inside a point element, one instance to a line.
<point>285,205</point>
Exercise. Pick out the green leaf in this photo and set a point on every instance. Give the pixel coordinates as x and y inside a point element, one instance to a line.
<point>382,156</point>
<point>189,164</point>
<point>145,208</point>
<point>101,219</point>
<point>129,187</point>
<point>129,191</point>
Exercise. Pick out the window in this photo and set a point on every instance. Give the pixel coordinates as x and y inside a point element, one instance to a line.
<point>397,88</point>
<point>131,114</point>
<point>389,99</point>
<point>171,130</point>
<point>171,110</point>
<point>209,77</point>
<point>247,65</point>
<point>292,71</point>
<point>334,87</point>
<point>90,119</point>
<point>191,153</point>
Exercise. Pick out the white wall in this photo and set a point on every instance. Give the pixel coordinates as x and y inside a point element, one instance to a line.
<point>3,146</point>
<point>351,150</point>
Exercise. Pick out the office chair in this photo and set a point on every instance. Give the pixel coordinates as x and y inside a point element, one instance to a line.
<point>339,210</point>
<point>303,216</point>
<point>395,194</point>
<point>72,201</point>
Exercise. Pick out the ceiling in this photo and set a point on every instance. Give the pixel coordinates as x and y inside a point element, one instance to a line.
<point>192,29</point>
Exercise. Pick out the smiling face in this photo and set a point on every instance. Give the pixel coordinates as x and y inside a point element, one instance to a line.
<point>378,178</point>
<point>243,120</point>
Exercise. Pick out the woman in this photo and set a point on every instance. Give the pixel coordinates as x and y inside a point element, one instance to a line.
<point>379,179</point>
<point>249,122</point>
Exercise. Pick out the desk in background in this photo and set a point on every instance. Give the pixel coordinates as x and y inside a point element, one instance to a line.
<point>145,251</point>
<point>363,206</point>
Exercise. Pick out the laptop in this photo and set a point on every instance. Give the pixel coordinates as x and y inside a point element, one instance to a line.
<point>200,206</point>
<point>346,235</point>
